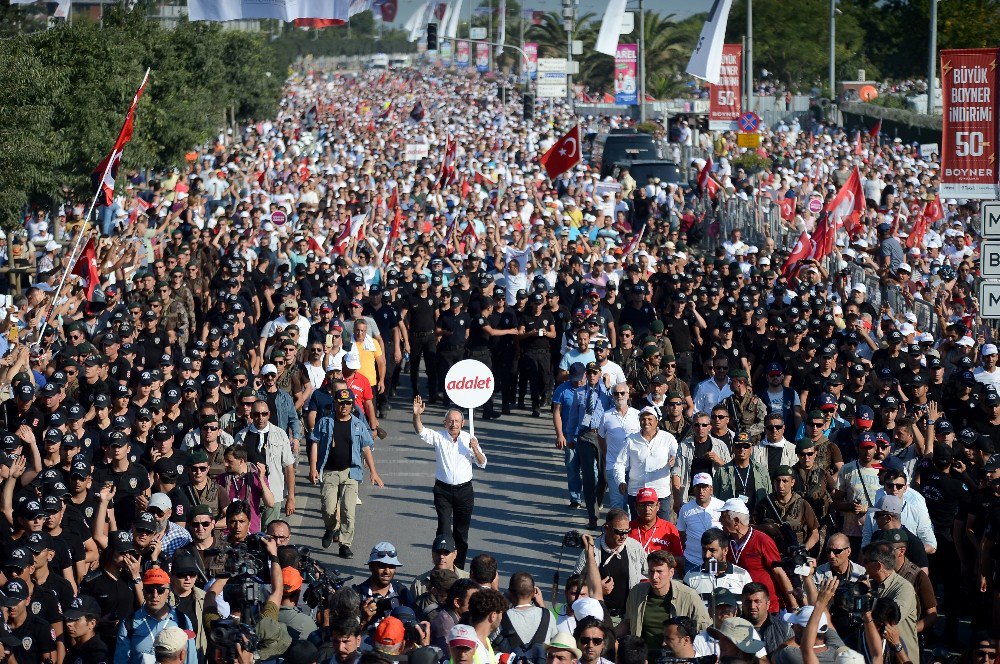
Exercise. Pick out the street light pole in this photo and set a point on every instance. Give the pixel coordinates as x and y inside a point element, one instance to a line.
<point>642,63</point>
<point>569,19</point>
<point>932,59</point>
<point>749,58</point>
<point>833,49</point>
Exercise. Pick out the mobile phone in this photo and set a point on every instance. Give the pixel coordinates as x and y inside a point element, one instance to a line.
<point>713,567</point>
<point>329,340</point>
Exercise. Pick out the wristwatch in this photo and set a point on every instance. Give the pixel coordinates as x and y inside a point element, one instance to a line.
<point>897,647</point>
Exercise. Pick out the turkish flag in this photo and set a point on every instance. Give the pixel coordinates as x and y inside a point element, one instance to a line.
<point>787,206</point>
<point>564,154</point>
<point>318,22</point>
<point>846,207</point>
<point>86,267</point>
<point>876,129</point>
<point>932,212</point>
<point>823,237</point>
<point>706,182</point>
<point>801,251</point>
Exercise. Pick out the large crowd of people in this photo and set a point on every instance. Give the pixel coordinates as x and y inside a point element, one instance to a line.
<point>769,466</point>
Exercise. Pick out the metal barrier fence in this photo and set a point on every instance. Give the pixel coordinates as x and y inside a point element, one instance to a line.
<point>892,296</point>
<point>758,220</point>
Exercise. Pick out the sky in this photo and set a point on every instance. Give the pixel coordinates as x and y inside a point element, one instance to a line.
<point>681,8</point>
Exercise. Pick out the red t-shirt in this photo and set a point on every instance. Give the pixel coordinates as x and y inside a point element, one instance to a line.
<point>758,557</point>
<point>663,535</point>
<point>362,389</point>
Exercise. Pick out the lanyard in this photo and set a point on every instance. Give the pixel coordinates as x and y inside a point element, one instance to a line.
<point>737,548</point>
<point>743,481</point>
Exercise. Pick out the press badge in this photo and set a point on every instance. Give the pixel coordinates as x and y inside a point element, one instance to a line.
<point>745,499</point>
<point>586,421</point>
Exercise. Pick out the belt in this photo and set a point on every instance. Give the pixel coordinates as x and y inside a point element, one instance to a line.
<point>453,486</point>
<point>447,348</point>
<point>423,335</point>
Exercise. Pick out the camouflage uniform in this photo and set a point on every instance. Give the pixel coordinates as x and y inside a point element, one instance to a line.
<point>176,319</point>
<point>747,414</point>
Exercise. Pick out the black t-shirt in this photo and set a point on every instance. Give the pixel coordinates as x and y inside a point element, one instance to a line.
<point>94,651</point>
<point>130,483</point>
<point>947,498</point>
<point>53,595</point>
<point>117,600</point>
<point>79,519</point>
<point>617,568</point>
<point>679,332</point>
<point>421,314</point>
<point>186,606</point>
<point>37,638</point>
<point>533,325</point>
<point>339,457</point>
<point>70,551</point>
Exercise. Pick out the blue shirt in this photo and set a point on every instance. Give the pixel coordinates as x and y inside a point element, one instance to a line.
<point>581,407</point>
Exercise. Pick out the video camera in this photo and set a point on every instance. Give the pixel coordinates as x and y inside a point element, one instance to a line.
<point>247,559</point>
<point>573,539</point>
<point>225,635</point>
<point>859,600</point>
<point>323,580</point>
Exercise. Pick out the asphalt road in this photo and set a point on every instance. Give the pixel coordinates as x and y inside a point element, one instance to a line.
<point>521,510</point>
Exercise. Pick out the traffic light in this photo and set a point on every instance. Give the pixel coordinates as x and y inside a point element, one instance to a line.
<point>432,37</point>
<point>528,112</point>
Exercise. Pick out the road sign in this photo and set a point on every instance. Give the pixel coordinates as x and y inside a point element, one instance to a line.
<point>748,140</point>
<point>278,217</point>
<point>989,213</point>
<point>989,299</point>
<point>552,65</point>
<point>815,205</point>
<point>749,122</point>
<point>551,78</point>
<point>477,33</point>
<point>989,264</point>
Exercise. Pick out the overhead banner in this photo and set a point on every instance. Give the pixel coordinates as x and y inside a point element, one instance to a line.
<point>724,106</point>
<point>462,54</point>
<point>482,57</point>
<point>531,50</point>
<point>626,90</point>
<point>969,125</point>
<point>707,54</point>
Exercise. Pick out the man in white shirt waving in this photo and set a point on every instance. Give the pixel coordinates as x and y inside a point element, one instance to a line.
<point>453,495</point>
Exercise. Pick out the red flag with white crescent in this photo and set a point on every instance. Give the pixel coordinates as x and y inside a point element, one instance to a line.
<point>563,155</point>
<point>706,182</point>
<point>787,206</point>
<point>104,175</point>
<point>86,267</point>
<point>801,251</point>
<point>846,208</point>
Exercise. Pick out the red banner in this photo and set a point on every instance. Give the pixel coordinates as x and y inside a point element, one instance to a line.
<point>725,102</point>
<point>969,126</point>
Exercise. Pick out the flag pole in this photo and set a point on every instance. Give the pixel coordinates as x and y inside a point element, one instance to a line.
<point>79,240</point>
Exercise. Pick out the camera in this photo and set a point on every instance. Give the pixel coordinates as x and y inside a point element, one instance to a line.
<point>247,559</point>
<point>858,600</point>
<point>797,557</point>
<point>225,635</point>
<point>667,658</point>
<point>322,580</point>
<point>573,539</point>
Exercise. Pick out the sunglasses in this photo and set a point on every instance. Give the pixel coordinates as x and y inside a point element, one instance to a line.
<point>587,640</point>
<point>676,403</point>
<point>775,427</point>
<point>742,446</point>
<point>155,590</point>
<point>201,524</point>
<point>816,424</point>
<point>808,454</point>
<point>701,425</point>
<point>262,413</point>
<point>837,552</point>
<point>895,485</point>
<point>384,553</point>
<point>199,469</point>
<point>620,533</point>
<point>720,417</point>
<point>621,394</point>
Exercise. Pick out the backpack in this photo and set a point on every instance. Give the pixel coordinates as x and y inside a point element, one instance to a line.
<point>508,641</point>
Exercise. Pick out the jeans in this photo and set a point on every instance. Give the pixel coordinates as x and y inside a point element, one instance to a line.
<point>616,500</point>
<point>107,214</point>
<point>587,453</point>
<point>573,478</point>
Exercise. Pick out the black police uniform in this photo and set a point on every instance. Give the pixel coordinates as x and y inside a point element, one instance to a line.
<point>454,330</point>
<point>421,312</point>
<point>535,356</point>
<point>503,351</point>
<point>478,347</point>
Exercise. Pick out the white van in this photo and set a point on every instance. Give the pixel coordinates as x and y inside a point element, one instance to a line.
<point>379,61</point>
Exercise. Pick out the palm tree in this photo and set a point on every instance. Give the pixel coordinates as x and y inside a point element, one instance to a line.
<point>550,34</point>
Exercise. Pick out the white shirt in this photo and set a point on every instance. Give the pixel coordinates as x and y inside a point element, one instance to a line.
<point>614,429</point>
<point>732,581</point>
<point>708,394</point>
<point>646,462</point>
<point>693,520</point>
<point>987,378</point>
<point>454,458</point>
<point>613,370</point>
<point>280,323</point>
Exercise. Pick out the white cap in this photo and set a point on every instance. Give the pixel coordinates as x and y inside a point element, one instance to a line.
<point>160,501</point>
<point>801,618</point>
<point>906,329</point>
<point>861,288</point>
<point>651,411</point>
<point>352,361</point>
<point>51,245</point>
<point>587,606</point>
<point>989,349</point>
<point>737,506</point>
<point>269,369</point>
<point>701,479</point>
<point>170,641</point>
<point>966,341</point>
<point>464,636</point>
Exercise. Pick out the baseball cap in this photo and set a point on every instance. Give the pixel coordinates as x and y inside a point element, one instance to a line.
<point>390,632</point>
<point>171,640</point>
<point>891,505</point>
<point>801,618</point>
<point>83,606</point>
<point>146,522</point>
<point>702,479</point>
<point>156,576</point>
<point>463,636</point>
<point>735,505</point>
<point>740,633</point>
<point>867,439</point>
<point>160,501</point>
<point>646,495</point>
<point>291,579</point>
<point>588,606</point>
<point>443,542</point>
<point>864,416</point>
<point>121,541</point>
<point>14,592</point>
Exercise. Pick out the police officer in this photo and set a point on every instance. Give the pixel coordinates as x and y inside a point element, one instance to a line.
<point>536,330</point>
<point>419,314</point>
<point>452,329</point>
<point>504,348</point>
<point>481,332</point>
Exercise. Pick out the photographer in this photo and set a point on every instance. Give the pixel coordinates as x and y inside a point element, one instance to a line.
<point>380,592</point>
<point>880,640</point>
<point>737,642</point>
<point>621,562</point>
<point>714,551</point>
<point>879,561</point>
<point>723,604</point>
<point>272,639</point>
<point>927,611</point>
<point>395,639</point>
